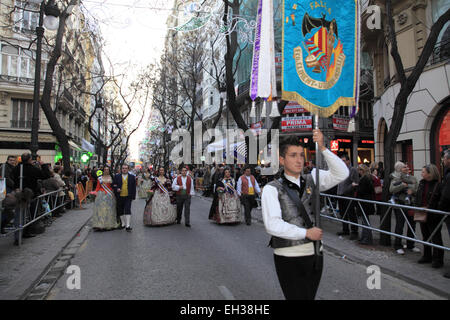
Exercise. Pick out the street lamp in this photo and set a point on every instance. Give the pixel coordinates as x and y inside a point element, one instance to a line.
<point>51,20</point>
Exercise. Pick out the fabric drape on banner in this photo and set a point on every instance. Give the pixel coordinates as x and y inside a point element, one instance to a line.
<point>321,54</point>
<point>263,76</point>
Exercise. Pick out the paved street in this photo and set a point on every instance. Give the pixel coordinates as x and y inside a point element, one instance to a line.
<point>205,262</point>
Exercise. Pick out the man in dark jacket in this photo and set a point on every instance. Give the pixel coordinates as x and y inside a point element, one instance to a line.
<point>9,165</point>
<point>7,212</point>
<point>444,202</point>
<point>31,174</point>
<point>217,176</point>
<point>347,188</point>
<point>124,185</point>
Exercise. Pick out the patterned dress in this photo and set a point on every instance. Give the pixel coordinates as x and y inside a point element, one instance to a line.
<point>104,216</point>
<point>229,207</point>
<point>144,186</point>
<point>161,208</point>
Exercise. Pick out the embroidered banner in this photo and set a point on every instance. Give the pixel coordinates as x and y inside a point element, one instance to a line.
<point>321,54</point>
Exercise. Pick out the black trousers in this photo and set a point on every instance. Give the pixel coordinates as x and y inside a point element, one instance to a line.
<point>248,202</point>
<point>350,216</point>
<point>427,229</point>
<point>299,276</point>
<point>400,226</point>
<point>123,206</point>
<point>184,201</point>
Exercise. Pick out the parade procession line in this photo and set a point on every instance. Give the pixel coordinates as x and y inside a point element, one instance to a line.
<point>403,267</point>
<point>29,272</point>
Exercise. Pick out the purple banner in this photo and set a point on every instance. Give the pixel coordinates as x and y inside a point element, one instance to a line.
<point>256,51</point>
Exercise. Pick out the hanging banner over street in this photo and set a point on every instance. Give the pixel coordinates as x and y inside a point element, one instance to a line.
<point>321,54</point>
<point>296,124</point>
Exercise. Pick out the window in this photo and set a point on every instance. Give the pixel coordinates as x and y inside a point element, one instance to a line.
<point>19,63</point>
<point>26,15</point>
<point>22,113</point>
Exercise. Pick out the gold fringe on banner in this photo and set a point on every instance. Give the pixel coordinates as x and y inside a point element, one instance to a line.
<point>324,112</point>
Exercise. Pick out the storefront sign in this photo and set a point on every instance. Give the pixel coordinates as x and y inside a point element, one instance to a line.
<point>334,146</point>
<point>296,124</point>
<point>293,107</point>
<point>340,122</point>
<point>368,141</point>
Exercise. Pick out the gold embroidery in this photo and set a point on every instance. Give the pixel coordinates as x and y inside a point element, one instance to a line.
<point>310,82</point>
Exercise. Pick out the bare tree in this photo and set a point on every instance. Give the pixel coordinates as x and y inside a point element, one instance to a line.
<point>407,84</point>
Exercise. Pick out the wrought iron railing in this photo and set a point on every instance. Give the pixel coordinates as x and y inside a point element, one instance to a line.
<point>441,52</point>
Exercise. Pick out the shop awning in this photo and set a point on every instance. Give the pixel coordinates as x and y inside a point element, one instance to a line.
<point>74,145</point>
<point>86,146</point>
<point>221,145</point>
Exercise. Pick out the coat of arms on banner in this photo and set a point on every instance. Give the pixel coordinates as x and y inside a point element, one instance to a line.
<point>321,54</point>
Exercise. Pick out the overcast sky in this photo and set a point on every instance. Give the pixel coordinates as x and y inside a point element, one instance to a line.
<point>134,32</point>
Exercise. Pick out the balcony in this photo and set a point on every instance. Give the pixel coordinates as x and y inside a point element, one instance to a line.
<point>21,124</point>
<point>441,52</point>
<point>67,95</point>
<point>19,80</point>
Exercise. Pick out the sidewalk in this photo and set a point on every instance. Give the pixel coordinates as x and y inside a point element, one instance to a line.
<point>21,267</point>
<point>404,267</point>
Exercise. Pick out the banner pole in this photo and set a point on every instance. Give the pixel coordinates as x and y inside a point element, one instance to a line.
<point>318,223</point>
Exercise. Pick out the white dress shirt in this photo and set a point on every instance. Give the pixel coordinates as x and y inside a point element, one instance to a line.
<point>271,209</point>
<point>176,187</point>
<point>250,185</point>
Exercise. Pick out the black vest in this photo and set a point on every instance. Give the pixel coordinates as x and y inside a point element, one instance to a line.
<point>289,210</point>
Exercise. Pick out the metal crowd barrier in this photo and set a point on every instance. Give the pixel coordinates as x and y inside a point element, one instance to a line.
<point>36,209</point>
<point>398,207</point>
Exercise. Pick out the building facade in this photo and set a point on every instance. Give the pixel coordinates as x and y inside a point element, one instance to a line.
<point>72,80</point>
<point>425,132</point>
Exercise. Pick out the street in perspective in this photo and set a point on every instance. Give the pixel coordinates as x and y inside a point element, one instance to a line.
<point>214,151</point>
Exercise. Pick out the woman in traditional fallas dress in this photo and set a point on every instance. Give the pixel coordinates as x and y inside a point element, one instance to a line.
<point>104,217</point>
<point>161,207</point>
<point>144,185</point>
<point>229,208</point>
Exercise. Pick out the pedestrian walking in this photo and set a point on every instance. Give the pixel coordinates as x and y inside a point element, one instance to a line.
<point>428,194</point>
<point>444,201</point>
<point>124,185</point>
<point>160,209</point>
<point>217,176</point>
<point>183,185</point>
<point>347,188</point>
<point>247,188</point>
<point>104,217</point>
<point>228,208</point>
<point>286,210</point>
